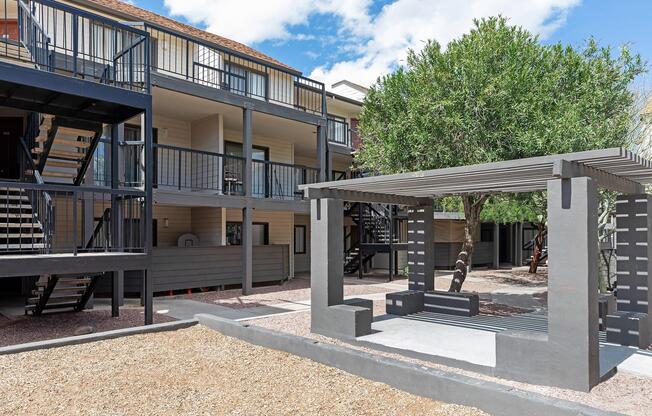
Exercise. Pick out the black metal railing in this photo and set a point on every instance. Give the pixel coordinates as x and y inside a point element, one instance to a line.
<point>337,131</point>
<point>59,38</point>
<point>280,180</point>
<point>180,56</point>
<point>53,220</point>
<point>199,170</point>
<point>132,169</point>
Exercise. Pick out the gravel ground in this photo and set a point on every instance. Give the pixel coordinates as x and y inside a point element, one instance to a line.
<point>193,371</point>
<point>622,393</point>
<point>297,289</point>
<point>38,328</point>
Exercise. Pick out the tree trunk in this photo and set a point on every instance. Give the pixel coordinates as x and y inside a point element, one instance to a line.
<point>538,249</point>
<point>472,207</point>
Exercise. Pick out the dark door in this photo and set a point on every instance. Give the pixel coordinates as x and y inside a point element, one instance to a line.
<point>10,130</point>
<point>504,255</point>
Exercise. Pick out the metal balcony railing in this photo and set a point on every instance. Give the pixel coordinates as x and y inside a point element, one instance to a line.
<point>198,170</point>
<point>194,60</point>
<point>46,219</point>
<point>280,180</point>
<point>337,131</point>
<point>55,37</point>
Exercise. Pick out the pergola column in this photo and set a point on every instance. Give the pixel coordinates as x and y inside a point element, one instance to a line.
<point>421,248</point>
<point>117,222</point>
<point>496,247</point>
<point>567,356</point>
<point>631,324</point>
<point>330,314</point>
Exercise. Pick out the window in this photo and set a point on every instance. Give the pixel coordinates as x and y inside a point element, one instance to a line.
<point>299,239</point>
<point>245,81</point>
<point>336,129</point>
<point>259,233</point>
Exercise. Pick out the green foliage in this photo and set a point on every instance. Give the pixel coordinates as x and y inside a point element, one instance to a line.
<point>496,94</point>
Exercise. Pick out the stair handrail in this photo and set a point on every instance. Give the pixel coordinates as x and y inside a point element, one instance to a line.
<point>34,30</point>
<point>105,219</point>
<point>47,218</point>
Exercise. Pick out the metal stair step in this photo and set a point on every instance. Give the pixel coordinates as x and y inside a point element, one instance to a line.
<point>70,143</point>
<point>71,131</point>
<point>30,246</point>
<point>50,306</point>
<point>47,173</point>
<point>61,153</point>
<point>62,164</point>
<point>15,215</point>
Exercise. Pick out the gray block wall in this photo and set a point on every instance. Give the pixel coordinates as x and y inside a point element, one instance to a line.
<point>631,324</point>
<point>329,314</point>
<point>567,356</point>
<point>421,249</point>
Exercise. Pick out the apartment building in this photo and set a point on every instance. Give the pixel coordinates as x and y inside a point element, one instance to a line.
<point>141,155</point>
<point>173,146</point>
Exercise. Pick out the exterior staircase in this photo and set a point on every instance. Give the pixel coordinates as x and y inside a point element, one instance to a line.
<point>15,52</point>
<point>20,228</point>
<point>64,149</point>
<point>58,293</point>
<point>373,223</point>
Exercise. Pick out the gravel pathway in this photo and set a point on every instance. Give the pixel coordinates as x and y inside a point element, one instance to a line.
<point>39,328</point>
<point>294,290</point>
<point>193,371</point>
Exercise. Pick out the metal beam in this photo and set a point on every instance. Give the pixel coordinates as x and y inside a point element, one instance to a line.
<point>565,169</point>
<point>358,196</point>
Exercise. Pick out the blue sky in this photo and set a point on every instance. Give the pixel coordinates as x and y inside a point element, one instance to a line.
<point>361,39</point>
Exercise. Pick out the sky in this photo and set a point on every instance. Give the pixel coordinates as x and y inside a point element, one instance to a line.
<point>359,40</point>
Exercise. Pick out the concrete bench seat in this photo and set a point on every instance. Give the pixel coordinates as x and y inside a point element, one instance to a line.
<point>452,303</point>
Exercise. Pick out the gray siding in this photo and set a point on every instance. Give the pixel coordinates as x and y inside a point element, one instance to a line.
<point>446,254</point>
<point>176,268</point>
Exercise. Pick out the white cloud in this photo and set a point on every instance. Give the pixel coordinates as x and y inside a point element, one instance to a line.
<point>377,43</point>
<point>251,21</point>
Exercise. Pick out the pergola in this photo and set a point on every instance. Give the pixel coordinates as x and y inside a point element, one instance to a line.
<point>568,354</point>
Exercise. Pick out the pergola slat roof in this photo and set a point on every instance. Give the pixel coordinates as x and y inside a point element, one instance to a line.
<point>617,169</point>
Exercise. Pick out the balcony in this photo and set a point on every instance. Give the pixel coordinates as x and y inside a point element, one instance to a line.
<point>54,37</point>
<point>190,59</point>
<point>200,171</point>
<point>338,132</point>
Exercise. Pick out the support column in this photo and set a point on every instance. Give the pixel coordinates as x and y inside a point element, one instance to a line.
<point>421,248</point>
<point>330,314</point>
<point>117,276</point>
<point>247,212</point>
<point>519,244</point>
<point>631,324</point>
<point>322,149</point>
<point>567,356</point>
<point>496,246</point>
<point>148,278</point>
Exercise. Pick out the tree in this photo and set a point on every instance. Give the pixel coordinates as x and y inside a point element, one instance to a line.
<point>494,94</point>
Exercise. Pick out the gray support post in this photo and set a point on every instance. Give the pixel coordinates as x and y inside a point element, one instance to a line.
<point>322,149</point>
<point>148,278</point>
<point>149,297</point>
<point>330,314</point>
<point>567,356</point>
<point>247,250</point>
<point>390,255</point>
<point>632,323</point>
<point>247,212</point>
<point>421,248</point>
<point>117,135</point>
<point>496,246</point>
<point>87,227</point>
<point>519,244</point>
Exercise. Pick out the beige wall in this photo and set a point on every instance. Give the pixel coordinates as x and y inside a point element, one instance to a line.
<point>179,222</point>
<point>279,151</point>
<point>208,225</point>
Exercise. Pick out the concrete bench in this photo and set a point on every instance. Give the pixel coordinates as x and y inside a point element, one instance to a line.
<point>404,303</point>
<point>452,303</point>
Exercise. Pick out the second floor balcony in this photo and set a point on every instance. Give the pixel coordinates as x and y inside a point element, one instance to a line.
<point>192,59</point>
<point>54,37</point>
<point>201,171</point>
